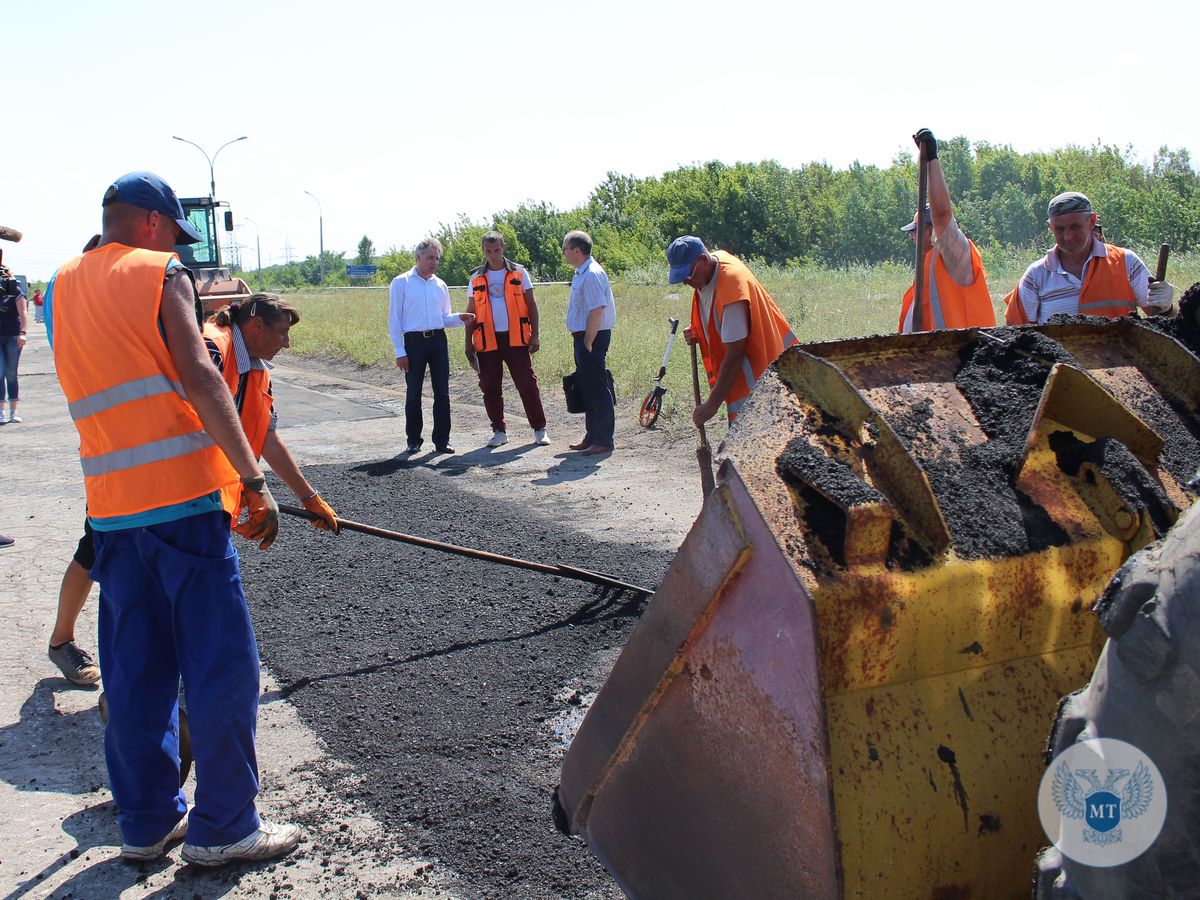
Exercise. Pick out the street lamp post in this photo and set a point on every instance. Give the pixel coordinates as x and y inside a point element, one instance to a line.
<point>212,181</point>
<point>258,250</point>
<point>321,225</point>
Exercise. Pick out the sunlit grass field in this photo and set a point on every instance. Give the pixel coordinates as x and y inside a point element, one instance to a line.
<point>821,304</point>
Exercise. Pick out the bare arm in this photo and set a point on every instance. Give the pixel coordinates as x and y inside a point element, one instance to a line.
<point>469,348</point>
<point>276,453</point>
<point>205,388</point>
<point>535,340</point>
<point>731,365</point>
<point>593,327</point>
<point>940,207</point>
<point>23,318</point>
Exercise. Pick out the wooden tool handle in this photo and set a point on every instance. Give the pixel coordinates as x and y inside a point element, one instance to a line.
<point>1160,273</point>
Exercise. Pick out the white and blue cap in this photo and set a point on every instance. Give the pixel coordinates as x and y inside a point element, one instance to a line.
<point>145,190</point>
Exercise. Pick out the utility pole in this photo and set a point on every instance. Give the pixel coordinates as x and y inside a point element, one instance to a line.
<point>258,250</point>
<point>321,224</point>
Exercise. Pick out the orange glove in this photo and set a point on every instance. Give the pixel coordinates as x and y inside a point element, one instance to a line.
<point>262,513</point>
<point>327,518</point>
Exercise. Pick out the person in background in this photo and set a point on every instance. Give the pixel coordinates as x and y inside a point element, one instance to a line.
<point>591,317</point>
<point>13,324</point>
<point>1081,275</point>
<point>955,292</point>
<point>739,328</point>
<point>504,332</point>
<point>37,306</point>
<point>418,316</point>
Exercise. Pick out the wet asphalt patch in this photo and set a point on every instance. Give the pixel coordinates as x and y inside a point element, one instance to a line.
<point>444,682</point>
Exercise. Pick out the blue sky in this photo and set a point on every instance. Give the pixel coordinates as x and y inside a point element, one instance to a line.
<point>400,119</point>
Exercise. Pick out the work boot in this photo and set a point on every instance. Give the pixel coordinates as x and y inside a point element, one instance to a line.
<point>268,842</point>
<point>75,663</point>
<point>154,851</point>
<point>499,439</point>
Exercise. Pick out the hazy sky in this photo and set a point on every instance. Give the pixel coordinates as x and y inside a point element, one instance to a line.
<point>401,118</point>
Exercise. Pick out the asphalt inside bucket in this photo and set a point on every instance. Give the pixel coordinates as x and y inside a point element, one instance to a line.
<point>448,685</point>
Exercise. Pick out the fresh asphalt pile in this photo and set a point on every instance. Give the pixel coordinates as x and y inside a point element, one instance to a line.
<point>443,682</point>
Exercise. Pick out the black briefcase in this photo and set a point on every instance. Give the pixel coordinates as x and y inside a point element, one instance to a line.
<point>575,399</point>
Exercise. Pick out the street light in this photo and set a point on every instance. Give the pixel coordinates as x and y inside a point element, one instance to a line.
<point>212,181</point>
<point>257,249</point>
<point>321,222</point>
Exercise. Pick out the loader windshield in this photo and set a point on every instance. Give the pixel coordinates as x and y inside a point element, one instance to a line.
<point>202,254</point>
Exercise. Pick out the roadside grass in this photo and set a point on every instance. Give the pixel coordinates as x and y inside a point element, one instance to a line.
<point>821,304</point>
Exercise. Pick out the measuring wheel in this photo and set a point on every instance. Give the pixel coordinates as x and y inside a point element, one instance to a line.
<point>651,407</point>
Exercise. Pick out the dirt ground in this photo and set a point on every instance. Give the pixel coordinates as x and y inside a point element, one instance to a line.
<point>415,706</point>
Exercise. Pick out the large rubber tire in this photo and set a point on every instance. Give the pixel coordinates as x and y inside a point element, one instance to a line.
<point>1146,691</point>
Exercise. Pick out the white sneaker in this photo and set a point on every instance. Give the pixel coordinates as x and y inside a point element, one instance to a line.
<point>268,842</point>
<point>13,417</point>
<point>499,439</point>
<point>154,851</point>
<point>539,438</point>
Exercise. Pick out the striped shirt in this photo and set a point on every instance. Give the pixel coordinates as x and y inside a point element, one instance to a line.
<point>590,289</point>
<point>1047,289</point>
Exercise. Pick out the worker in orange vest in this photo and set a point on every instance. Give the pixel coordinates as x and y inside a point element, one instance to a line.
<point>242,339</point>
<point>737,325</point>
<point>1081,274</point>
<point>955,292</point>
<point>159,439</point>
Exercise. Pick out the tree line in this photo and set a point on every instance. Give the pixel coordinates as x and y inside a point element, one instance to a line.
<point>818,215</point>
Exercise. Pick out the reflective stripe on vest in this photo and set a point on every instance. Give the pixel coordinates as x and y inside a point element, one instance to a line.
<point>935,298</point>
<point>155,451</point>
<point>128,392</point>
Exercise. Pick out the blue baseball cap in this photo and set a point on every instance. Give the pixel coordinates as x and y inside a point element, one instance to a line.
<point>682,253</point>
<point>145,190</point>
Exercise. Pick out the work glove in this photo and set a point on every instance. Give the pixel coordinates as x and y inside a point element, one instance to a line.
<point>1162,295</point>
<point>326,518</point>
<point>262,513</point>
<point>925,139</point>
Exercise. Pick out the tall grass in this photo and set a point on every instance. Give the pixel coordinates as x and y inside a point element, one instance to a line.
<point>821,304</point>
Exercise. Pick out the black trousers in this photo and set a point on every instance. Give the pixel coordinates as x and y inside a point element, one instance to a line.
<point>430,353</point>
<point>599,416</point>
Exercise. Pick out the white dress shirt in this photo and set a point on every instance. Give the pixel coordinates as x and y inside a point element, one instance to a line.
<point>418,304</point>
<point>590,289</point>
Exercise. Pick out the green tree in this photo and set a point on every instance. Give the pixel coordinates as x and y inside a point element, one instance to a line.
<point>366,252</point>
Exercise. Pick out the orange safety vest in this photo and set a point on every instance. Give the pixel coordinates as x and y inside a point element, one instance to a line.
<point>1106,291</point>
<point>947,304</point>
<point>483,333</point>
<point>769,334</point>
<point>251,396</point>
<point>141,443</point>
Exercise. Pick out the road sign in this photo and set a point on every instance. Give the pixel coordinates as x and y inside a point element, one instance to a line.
<point>361,271</point>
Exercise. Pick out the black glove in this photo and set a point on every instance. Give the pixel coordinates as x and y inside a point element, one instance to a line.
<point>924,138</point>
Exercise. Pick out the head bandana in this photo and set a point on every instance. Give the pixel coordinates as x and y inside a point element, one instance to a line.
<point>1067,203</point>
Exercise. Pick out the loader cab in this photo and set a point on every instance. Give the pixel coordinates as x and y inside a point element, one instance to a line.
<point>202,214</point>
<point>215,284</point>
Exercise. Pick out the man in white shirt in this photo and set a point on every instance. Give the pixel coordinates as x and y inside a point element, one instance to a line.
<point>418,314</point>
<point>591,316</point>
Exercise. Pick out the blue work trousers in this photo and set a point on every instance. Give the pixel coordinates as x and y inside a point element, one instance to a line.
<point>599,416</point>
<point>171,606</point>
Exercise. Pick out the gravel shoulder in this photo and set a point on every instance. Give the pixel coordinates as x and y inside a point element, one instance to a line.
<point>341,423</point>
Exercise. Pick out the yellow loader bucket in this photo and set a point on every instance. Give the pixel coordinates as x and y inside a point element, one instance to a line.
<point>844,684</point>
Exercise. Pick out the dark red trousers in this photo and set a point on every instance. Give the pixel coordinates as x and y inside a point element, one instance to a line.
<point>520,368</point>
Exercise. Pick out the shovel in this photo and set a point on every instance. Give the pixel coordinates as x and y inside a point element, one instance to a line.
<point>703,451</point>
<point>918,310</point>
